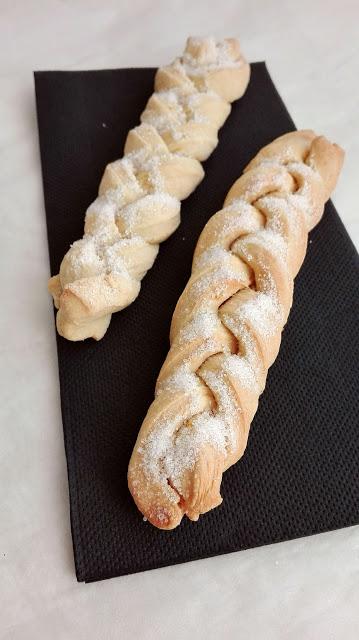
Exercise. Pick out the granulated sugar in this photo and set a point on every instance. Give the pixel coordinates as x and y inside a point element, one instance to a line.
<point>218,56</point>
<point>155,207</point>
<point>240,369</point>
<point>203,325</point>
<point>262,313</point>
<point>182,380</point>
<point>272,242</point>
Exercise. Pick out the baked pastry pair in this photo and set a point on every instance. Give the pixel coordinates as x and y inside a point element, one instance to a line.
<point>138,205</point>
<point>226,328</point>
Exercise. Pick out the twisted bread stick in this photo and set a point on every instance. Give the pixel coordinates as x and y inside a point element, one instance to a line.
<point>139,196</point>
<point>226,328</point>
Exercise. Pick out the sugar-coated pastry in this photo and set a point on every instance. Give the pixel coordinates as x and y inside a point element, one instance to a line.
<point>226,328</point>
<point>139,196</point>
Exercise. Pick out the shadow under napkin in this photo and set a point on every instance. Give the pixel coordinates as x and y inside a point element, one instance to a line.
<point>299,475</point>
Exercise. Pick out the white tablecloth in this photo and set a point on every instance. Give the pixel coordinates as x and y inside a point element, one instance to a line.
<point>304,589</point>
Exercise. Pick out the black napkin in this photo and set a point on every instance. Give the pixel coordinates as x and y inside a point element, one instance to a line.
<point>299,475</point>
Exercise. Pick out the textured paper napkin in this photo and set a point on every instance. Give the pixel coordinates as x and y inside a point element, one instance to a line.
<point>299,475</point>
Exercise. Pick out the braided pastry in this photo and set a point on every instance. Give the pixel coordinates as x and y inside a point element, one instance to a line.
<point>226,328</point>
<point>139,196</point>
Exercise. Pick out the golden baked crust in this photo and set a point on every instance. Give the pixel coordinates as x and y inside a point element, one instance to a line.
<point>139,196</point>
<point>226,328</point>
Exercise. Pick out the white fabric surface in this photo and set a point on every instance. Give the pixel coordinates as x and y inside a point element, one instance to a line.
<point>304,589</point>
